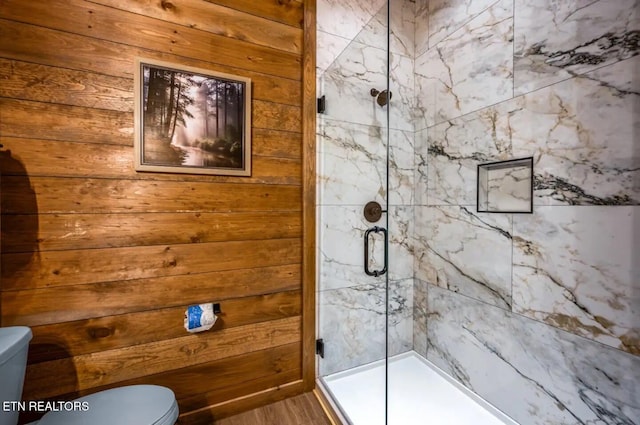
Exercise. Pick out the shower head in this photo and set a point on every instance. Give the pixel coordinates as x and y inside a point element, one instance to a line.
<point>382,97</point>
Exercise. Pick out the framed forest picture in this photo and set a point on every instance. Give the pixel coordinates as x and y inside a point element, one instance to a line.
<point>191,120</point>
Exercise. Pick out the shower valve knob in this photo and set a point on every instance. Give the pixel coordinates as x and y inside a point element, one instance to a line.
<point>372,211</point>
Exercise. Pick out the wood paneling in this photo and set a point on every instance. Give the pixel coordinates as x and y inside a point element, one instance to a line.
<point>86,231</point>
<point>80,124</point>
<point>72,267</point>
<point>102,261</point>
<point>35,307</point>
<point>26,80</point>
<point>230,23</point>
<point>100,161</point>
<point>63,122</point>
<point>111,332</point>
<point>264,373</point>
<point>111,366</point>
<point>217,381</point>
<point>41,83</point>
<point>76,159</point>
<point>106,23</point>
<point>287,11</point>
<point>89,195</point>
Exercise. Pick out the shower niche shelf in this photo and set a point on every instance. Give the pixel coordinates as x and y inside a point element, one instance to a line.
<point>506,186</point>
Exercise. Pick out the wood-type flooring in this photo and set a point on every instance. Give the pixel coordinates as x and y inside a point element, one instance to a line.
<point>304,409</point>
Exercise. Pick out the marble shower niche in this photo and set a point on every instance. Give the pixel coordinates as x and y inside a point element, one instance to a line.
<point>537,313</point>
<point>505,186</point>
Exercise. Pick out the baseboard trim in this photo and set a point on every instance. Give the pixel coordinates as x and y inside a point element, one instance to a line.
<point>332,413</point>
<point>207,415</point>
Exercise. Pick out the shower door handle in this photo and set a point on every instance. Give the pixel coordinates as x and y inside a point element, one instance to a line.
<point>375,229</point>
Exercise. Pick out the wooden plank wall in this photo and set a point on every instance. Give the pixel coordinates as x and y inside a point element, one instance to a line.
<point>100,260</point>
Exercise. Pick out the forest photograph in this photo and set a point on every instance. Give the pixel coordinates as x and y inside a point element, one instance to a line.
<point>192,121</point>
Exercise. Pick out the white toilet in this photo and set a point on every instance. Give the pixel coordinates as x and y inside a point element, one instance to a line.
<point>129,405</point>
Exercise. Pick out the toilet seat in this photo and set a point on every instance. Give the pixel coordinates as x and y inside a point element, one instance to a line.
<point>130,405</point>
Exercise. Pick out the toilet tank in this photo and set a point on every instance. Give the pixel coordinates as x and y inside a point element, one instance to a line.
<point>14,344</point>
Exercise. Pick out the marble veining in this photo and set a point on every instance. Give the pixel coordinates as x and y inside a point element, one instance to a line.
<point>341,259</point>
<point>341,239</point>
<point>576,269</point>
<point>401,28</point>
<point>466,252</point>
<point>403,21</point>
<point>472,68</point>
<point>538,314</point>
<point>353,322</point>
<point>421,36</point>
<point>373,33</point>
<point>402,85</point>
<point>420,311</point>
<point>352,150</point>
<point>537,374</point>
<point>346,18</point>
<point>453,151</point>
<point>352,163</point>
<point>558,40</point>
<point>401,167</point>
<point>579,131</point>
<point>349,80</point>
<point>420,174</point>
<point>329,48</point>
<point>583,133</point>
<point>401,242</point>
<point>447,16</point>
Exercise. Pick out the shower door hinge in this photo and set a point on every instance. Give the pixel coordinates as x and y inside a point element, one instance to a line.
<point>321,105</point>
<point>320,347</point>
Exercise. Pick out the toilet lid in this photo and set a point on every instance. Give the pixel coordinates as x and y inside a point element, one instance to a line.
<point>131,405</point>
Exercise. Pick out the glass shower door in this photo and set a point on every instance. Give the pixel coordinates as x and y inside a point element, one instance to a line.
<point>353,142</point>
<point>406,315</point>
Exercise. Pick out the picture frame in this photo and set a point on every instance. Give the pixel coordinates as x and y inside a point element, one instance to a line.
<point>191,120</point>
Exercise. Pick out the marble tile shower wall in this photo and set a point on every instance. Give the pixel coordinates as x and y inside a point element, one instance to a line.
<point>537,313</point>
<point>352,140</point>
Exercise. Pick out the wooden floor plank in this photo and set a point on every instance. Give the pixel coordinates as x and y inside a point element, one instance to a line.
<point>300,410</point>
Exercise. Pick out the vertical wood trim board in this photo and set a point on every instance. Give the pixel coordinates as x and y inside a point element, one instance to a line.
<point>102,260</point>
<point>309,194</point>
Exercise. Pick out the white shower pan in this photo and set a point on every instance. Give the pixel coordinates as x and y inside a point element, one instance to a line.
<point>419,393</point>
